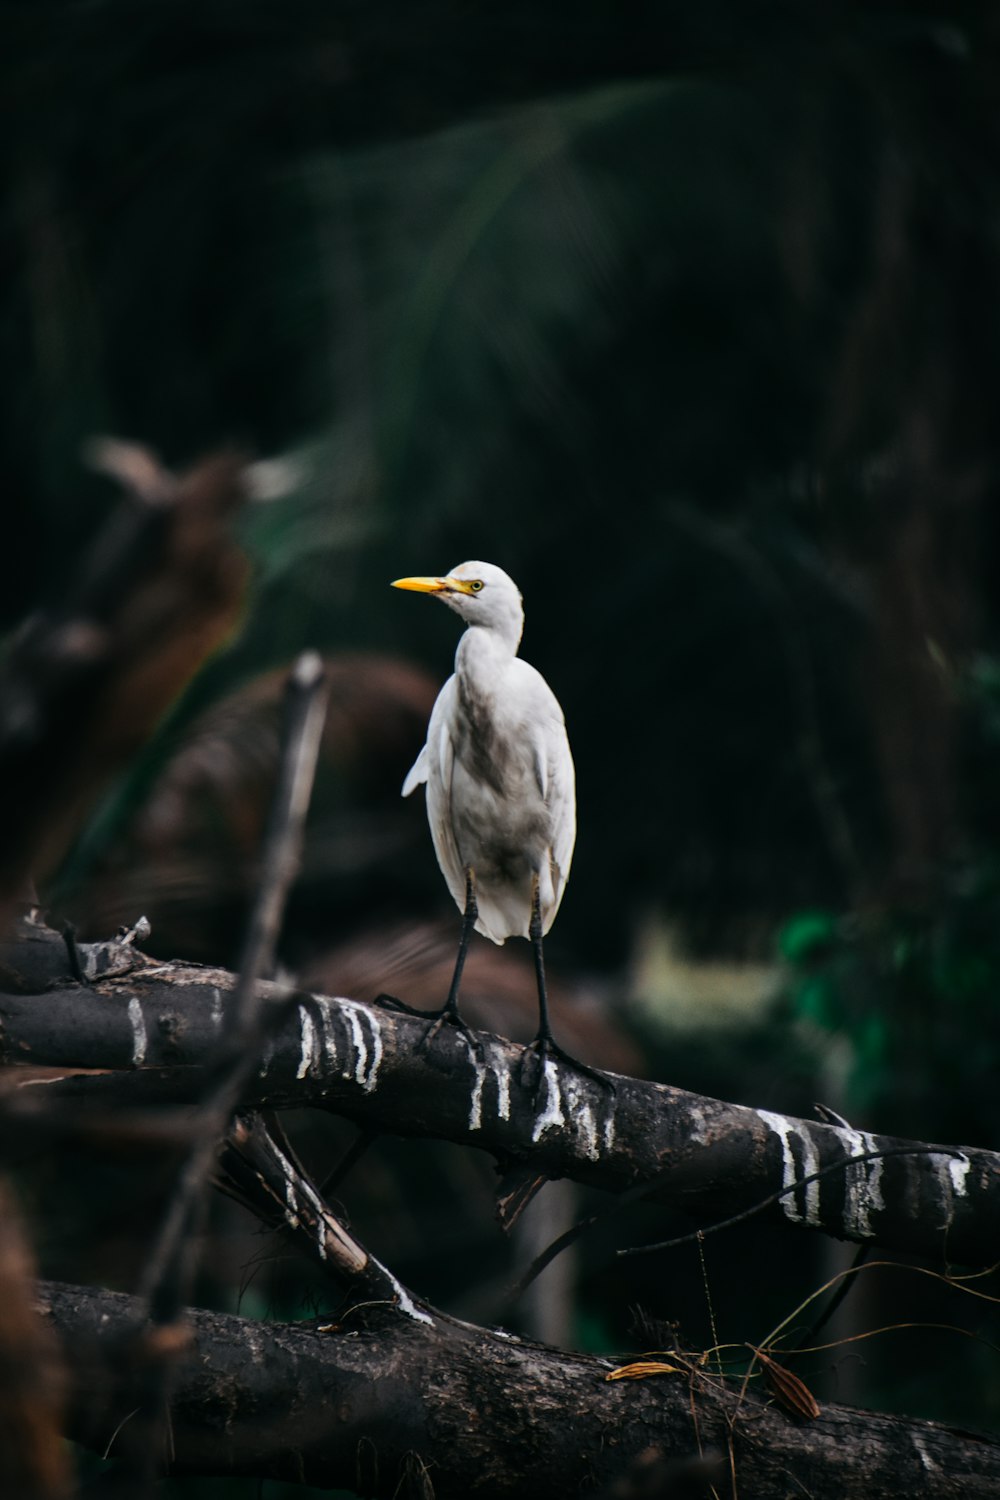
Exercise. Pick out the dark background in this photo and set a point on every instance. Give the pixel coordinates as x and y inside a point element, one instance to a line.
<point>689,317</point>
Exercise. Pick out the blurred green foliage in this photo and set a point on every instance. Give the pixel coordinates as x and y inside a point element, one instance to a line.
<point>914,1000</point>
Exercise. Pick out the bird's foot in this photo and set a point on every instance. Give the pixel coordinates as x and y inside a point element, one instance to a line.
<point>447,1016</point>
<point>544,1047</point>
<point>450,1017</point>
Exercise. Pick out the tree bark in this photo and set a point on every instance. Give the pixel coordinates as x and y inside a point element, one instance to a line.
<point>382,1405</point>
<point>156,1028</point>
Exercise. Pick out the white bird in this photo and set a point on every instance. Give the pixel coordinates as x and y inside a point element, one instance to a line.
<point>501,788</point>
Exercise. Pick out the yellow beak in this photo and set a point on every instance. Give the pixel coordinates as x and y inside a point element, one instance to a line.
<point>436,585</point>
<point>423,585</point>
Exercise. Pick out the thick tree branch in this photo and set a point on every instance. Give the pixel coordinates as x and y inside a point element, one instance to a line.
<point>366,1402</point>
<point>157,1028</point>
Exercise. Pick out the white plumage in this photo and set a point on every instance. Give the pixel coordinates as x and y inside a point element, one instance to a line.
<point>501,799</point>
<point>497,764</point>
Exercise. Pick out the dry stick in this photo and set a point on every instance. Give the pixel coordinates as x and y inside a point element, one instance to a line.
<point>171,1266</point>
<point>305,714</point>
<point>260,1170</point>
<point>246,1020</point>
<point>331,1182</point>
<point>826,1313</point>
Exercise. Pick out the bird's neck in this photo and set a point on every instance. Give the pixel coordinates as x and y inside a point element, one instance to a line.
<point>483,651</point>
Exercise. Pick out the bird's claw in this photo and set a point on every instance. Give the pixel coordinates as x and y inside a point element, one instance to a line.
<point>448,1017</point>
<point>544,1047</point>
<point>438,1018</point>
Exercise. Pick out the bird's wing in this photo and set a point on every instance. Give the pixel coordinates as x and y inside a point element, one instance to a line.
<point>416,775</point>
<point>555,776</point>
<point>440,769</point>
<point>559,791</point>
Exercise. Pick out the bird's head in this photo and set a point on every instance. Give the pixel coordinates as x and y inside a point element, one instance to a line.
<point>478,591</point>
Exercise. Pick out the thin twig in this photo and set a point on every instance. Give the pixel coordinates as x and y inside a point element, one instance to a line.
<point>331,1182</point>
<point>305,713</point>
<point>793,1187</point>
<point>171,1266</point>
<point>826,1313</point>
<point>643,1189</point>
<point>247,1021</point>
<point>261,1171</point>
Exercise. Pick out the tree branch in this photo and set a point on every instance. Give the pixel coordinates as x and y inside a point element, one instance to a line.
<point>371,1401</point>
<point>157,1026</point>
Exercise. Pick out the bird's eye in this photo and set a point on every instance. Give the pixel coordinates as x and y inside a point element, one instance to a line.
<point>475,585</point>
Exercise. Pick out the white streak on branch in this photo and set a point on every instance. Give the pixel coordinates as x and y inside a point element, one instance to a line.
<point>953,1183</point>
<point>492,1062</point>
<point>925,1458</point>
<point>479,1078</point>
<point>550,1116</point>
<point>501,1073</point>
<point>785,1130</point>
<point>862,1185</point>
<point>364,1073</point>
<point>308,1033</point>
<point>138,1032</point>
<point>958,1171</point>
<point>324,1009</point>
<point>582,1121</point>
<point>406,1302</point>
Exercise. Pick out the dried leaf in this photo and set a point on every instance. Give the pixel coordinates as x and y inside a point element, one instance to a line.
<point>642,1369</point>
<point>793,1394</point>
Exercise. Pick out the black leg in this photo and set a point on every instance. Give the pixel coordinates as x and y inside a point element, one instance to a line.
<point>544,1044</point>
<point>448,1014</point>
<point>535,937</point>
<point>468,925</point>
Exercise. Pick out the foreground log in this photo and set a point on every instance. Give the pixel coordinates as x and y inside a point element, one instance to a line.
<point>156,1028</point>
<point>374,1403</point>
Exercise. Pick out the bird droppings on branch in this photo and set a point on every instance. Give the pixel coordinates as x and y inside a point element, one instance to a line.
<point>863,1183</point>
<point>320,1018</point>
<point>494,1063</point>
<point>800,1210</point>
<point>568,1108</point>
<point>138,1032</point>
<point>711,1159</point>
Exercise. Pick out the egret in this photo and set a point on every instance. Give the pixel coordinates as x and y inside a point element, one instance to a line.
<point>501,788</point>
